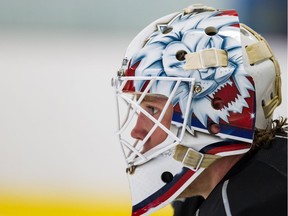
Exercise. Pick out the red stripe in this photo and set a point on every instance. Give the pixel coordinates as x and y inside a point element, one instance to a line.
<point>166,195</point>
<point>228,12</point>
<point>230,147</point>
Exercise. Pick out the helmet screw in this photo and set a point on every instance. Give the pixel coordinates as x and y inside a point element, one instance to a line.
<point>121,72</point>
<point>197,89</point>
<point>131,169</point>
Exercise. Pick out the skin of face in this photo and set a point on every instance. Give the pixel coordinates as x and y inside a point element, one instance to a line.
<point>154,105</point>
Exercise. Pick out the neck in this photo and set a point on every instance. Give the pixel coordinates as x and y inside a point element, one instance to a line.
<point>210,177</point>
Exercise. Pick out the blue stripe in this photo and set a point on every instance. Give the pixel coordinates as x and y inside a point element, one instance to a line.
<point>160,192</point>
<point>225,128</point>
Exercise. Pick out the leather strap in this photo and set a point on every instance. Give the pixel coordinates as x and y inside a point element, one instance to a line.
<point>205,59</point>
<point>193,159</point>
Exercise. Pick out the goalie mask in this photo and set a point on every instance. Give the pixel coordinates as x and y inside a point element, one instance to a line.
<point>192,88</point>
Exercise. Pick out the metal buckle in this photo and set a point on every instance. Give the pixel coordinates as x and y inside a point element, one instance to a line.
<point>131,169</point>
<point>199,162</point>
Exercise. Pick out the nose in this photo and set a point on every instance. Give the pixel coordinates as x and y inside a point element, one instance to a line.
<point>140,129</point>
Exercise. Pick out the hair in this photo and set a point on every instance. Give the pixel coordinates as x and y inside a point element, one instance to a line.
<point>263,137</point>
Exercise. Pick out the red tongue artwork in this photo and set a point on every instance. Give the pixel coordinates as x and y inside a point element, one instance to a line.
<point>225,95</point>
<point>229,94</point>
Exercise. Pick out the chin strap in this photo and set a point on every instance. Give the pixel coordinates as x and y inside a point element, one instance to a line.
<point>193,159</point>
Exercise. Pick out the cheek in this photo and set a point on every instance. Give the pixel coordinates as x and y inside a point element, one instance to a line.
<point>168,117</point>
<point>145,122</point>
<point>159,134</point>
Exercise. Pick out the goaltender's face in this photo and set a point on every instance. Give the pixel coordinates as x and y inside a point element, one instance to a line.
<point>154,105</point>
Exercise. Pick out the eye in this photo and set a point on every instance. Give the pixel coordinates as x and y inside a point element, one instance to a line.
<point>152,110</point>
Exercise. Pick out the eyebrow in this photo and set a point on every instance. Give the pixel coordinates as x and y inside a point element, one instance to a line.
<point>153,98</point>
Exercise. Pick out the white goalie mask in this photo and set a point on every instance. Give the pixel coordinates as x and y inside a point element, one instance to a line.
<point>193,87</point>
